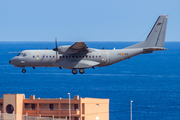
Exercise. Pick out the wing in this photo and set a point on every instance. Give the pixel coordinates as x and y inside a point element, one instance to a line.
<point>79,46</point>
<point>75,48</point>
<point>76,64</point>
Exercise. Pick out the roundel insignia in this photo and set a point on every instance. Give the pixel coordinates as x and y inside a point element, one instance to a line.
<point>104,59</point>
<point>122,53</point>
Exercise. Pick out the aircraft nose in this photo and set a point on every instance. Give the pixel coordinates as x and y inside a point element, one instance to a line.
<point>13,61</point>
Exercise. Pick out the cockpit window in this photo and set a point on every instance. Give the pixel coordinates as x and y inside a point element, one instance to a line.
<point>22,54</point>
<point>18,54</point>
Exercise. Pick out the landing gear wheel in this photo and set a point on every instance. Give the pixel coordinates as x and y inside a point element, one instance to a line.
<point>74,71</point>
<point>81,70</point>
<point>23,70</point>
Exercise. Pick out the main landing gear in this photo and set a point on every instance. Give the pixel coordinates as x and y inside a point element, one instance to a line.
<point>74,71</point>
<point>81,70</point>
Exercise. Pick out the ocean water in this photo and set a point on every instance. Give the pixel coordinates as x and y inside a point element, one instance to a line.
<point>152,81</point>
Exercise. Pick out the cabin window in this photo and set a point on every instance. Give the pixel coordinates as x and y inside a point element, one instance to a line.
<point>96,57</point>
<point>82,56</point>
<point>43,56</point>
<point>33,56</point>
<point>69,56</point>
<point>63,56</point>
<point>89,56</point>
<point>66,56</point>
<point>76,56</point>
<point>92,56</point>
<point>79,56</point>
<point>99,56</point>
<point>72,56</point>
<point>53,56</point>
<point>86,56</point>
<point>46,56</point>
<point>49,56</point>
<point>59,56</point>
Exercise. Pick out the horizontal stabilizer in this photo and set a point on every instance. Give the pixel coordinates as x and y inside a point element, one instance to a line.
<point>151,49</point>
<point>155,48</point>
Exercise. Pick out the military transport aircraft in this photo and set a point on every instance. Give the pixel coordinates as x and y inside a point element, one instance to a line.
<point>79,56</point>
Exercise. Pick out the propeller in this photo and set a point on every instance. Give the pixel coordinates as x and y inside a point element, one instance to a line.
<point>56,48</point>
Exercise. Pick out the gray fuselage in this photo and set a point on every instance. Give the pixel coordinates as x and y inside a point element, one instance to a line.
<point>93,58</point>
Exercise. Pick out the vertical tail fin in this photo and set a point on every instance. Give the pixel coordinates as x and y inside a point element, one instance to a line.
<point>156,37</point>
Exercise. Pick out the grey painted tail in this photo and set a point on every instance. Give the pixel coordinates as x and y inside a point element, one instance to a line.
<point>155,39</point>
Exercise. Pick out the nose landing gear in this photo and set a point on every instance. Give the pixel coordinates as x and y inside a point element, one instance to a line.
<point>23,70</point>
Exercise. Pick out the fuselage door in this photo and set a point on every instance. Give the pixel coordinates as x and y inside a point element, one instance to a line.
<point>105,57</point>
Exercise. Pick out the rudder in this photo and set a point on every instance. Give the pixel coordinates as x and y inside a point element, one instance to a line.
<point>156,37</point>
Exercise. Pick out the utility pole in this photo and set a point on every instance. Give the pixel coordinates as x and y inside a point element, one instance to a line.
<point>131,109</point>
<point>69,107</point>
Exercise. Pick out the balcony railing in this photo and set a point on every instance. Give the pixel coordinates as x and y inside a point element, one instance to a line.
<point>64,109</point>
<point>47,109</point>
<point>30,108</point>
<point>71,109</point>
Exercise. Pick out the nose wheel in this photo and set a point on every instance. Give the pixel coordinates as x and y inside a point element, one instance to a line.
<point>23,70</point>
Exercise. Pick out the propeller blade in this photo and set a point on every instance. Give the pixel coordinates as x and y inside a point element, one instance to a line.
<point>56,43</point>
<point>56,48</point>
<point>56,56</point>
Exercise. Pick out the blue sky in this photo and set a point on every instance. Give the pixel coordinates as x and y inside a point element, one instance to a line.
<point>85,20</point>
